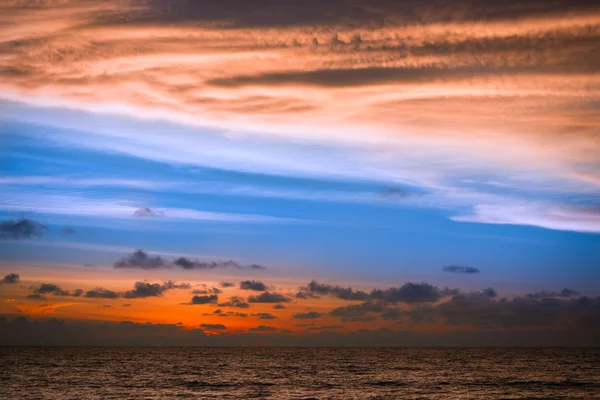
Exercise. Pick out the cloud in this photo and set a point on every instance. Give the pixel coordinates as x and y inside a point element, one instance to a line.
<point>214,327</point>
<point>226,284</point>
<point>264,316</point>
<point>256,266</point>
<point>521,312</point>
<point>393,193</point>
<point>140,259</point>
<point>279,307</point>
<point>308,315</point>
<point>409,293</point>
<point>547,294</point>
<point>67,230</point>
<point>49,288</point>
<point>268,297</point>
<point>235,302</point>
<point>11,278</point>
<point>264,328</point>
<point>23,228</point>
<point>461,269</point>
<point>325,327</point>
<point>101,293</point>
<point>358,312</point>
<point>220,313</point>
<point>145,289</point>
<point>253,285</point>
<point>186,263</point>
<point>210,299</point>
<point>418,86</point>
<point>148,212</point>
<point>315,288</point>
<point>207,290</point>
<point>35,297</point>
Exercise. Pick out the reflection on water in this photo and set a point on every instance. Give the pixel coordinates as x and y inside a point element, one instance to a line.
<point>297,373</point>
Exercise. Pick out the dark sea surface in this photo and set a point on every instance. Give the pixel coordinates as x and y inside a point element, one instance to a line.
<point>297,373</point>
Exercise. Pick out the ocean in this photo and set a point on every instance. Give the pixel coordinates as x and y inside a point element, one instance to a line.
<point>298,373</point>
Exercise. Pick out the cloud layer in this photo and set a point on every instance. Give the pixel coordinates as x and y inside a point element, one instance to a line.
<point>428,92</point>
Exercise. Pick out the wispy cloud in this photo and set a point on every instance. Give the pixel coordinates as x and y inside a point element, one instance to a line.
<point>412,93</point>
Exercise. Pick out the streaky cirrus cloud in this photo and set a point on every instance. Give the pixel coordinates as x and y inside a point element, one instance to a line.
<point>426,92</point>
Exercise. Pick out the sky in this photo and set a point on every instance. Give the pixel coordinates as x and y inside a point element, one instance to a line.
<point>269,172</point>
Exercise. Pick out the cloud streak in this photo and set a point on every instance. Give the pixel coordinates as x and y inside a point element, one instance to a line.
<point>140,259</point>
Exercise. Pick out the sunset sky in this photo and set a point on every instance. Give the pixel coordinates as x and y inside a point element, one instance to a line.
<point>300,172</point>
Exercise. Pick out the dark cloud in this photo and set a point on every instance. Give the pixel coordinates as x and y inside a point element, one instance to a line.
<point>256,266</point>
<point>409,293</point>
<point>126,305</point>
<point>264,328</point>
<point>209,299</point>
<point>11,278</point>
<point>68,231</point>
<point>306,295</point>
<point>461,269</point>
<point>520,312</point>
<point>23,228</point>
<point>338,78</point>
<point>214,327</point>
<point>308,315</point>
<point>235,302</point>
<point>148,212</point>
<point>220,313</point>
<point>358,312</point>
<point>35,297</point>
<point>253,285</point>
<point>544,293</point>
<point>267,297</point>
<point>207,290</point>
<point>352,13</point>
<point>21,331</point>
<point>49,288</point>
<point>315,288</point>
<point>227,284</point>
<point>264,316</point>
<point>172,285</point>
<point>140,259</point>
<point>186,263</point>
<point>393,193</point>
<point>145,289</point>
<point>325,327</point>
<point>278,307</point>
<point>101,293</point>
<point>391,314</point>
